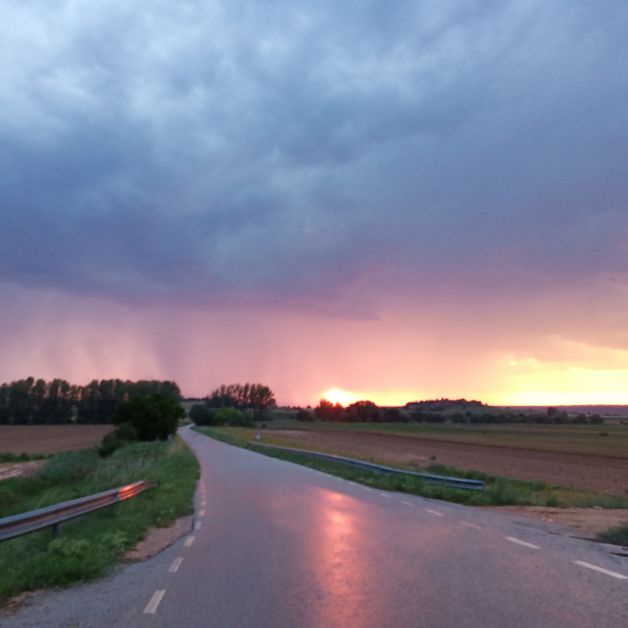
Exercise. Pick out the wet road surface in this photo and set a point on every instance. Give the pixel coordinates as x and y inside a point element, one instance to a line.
<point>278,545</point>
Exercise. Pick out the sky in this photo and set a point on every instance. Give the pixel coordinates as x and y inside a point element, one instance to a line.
<point>401,200</point>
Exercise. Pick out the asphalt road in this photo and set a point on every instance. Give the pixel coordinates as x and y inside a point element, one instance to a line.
<point>278,545</point>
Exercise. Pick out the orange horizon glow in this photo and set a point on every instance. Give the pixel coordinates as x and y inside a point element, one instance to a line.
<point>337,395</point>
<point>532,397</point>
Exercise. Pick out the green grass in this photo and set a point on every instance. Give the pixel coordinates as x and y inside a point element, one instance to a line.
<point>88,546</point>
<point>618,535</point>
<point>499,491</point>
<point>7,456</point>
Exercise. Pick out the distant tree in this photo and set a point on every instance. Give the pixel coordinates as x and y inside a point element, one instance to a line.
<point>362,411</point>
<point>328,411</point>
<point>304,415</point>
<point>154,417</point>
<point>392,415</point>
<point>255,397</point>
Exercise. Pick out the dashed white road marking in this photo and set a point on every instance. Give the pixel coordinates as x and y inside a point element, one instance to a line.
<point>203,503</point>
<point>198,525</point>
<point>189,541</point>
<point>151,607</point>
<point>434,512</point>
<point>406,503</point>
<point>467,524</point>
<point>514,539</point>
<point>608,572</point>
<point>201,513</point>
<point>384,494</point>
<point>176,563</point>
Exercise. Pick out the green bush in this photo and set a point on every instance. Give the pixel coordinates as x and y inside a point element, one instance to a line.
<point>618,535</point>
<point>233,418</point>
<point>200,414</point>
<point>125,433</point>
<point>153,417</point>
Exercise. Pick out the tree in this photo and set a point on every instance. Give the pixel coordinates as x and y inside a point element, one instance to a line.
<point>328,411</point>
<point>200,414</point>
<point>154,416</point>
<point>361,411</point>
<point>255,397</point>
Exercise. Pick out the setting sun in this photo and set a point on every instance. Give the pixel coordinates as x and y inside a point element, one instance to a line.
<point>336,395</point>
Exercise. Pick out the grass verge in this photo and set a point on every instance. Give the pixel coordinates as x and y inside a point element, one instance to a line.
<point>7,456</point>
<point>499,491</point>
<point>88,546</point>
<point>618,535</point>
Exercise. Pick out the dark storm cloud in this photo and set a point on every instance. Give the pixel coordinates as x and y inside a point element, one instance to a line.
<point>288,150</point>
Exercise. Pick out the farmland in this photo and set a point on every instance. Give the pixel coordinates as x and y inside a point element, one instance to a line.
<point>602,440</point>
<point>46,439</point>
<point>570,456</point>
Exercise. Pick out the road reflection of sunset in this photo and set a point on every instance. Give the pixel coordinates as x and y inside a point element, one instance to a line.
<point>342,572</point>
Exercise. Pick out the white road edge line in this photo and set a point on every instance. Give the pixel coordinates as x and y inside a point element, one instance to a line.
<point>198,525</point>
<point>434,512</point>
<point>613,574</point>
<point>384,494</point>
<point>405,503</point>
<point>151,607</point>
<point>475,526</point>
<point>189,541</point>
<point>514,539</point>
<point>176,563</point>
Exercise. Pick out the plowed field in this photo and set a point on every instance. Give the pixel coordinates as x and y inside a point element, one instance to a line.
<point>47,439</point>
<point>597,473</point>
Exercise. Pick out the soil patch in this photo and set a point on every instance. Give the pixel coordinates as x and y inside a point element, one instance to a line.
<point>596,473</point>
<point>47,439</point>
<point>16,469</point>
<point>157,539</point>
<point>584,522</point>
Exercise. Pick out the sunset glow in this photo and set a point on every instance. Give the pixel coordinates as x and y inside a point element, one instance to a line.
<point>336,395</point>
<point>323,216</point>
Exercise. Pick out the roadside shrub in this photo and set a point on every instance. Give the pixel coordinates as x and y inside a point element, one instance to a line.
<point>233,418</point>
<point>200,414</point>
<point>618,535</point>
<point>109,444</point>
<point>125,433</point>
<point>153,417</point>
<point>204,416</point>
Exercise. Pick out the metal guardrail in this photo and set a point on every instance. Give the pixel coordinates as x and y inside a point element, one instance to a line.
<point>453,482</point>
<point>52,516</point>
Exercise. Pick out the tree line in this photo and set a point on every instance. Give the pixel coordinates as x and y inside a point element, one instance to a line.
<point>424,412</point>
<point>38,402</point>
<point>235,405</point>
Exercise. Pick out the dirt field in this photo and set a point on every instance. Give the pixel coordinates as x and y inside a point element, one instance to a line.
<point>597,473</point>
<point>46,439</point>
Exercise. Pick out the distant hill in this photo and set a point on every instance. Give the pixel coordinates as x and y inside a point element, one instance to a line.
<point>602,410</point>
<point>444,405</point>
